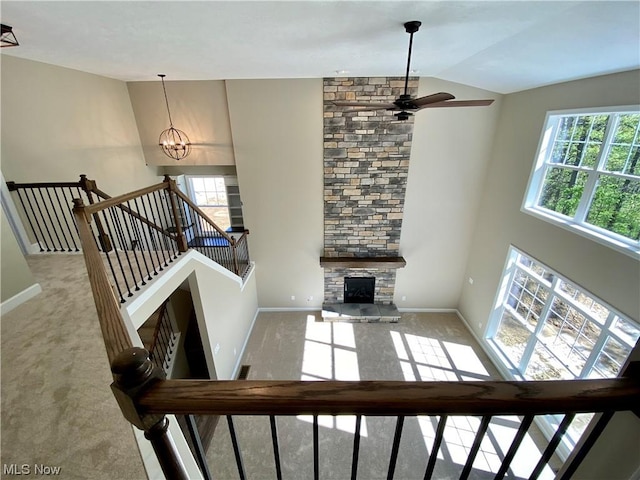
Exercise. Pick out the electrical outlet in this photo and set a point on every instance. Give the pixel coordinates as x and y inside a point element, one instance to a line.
<point>404,298</point>
<point>293,297</point>
<point>309,298</point>
<point>470,281</point>
<point>217,349</point>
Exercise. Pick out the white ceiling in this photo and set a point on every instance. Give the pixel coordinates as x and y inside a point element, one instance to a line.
<point>499,46</point>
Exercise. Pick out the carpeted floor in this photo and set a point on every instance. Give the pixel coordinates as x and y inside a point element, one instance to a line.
<point>57,407</point>
<point>422,346</point>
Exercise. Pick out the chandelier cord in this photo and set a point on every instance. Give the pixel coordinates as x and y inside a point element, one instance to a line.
<point>165,99</point>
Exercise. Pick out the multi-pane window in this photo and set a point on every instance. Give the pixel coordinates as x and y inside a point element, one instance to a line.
<point>210,194</point>
<point>547,328</point>
<point>587,175</point>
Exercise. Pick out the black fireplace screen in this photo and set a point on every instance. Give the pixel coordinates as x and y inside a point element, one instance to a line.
<point>359,289</point>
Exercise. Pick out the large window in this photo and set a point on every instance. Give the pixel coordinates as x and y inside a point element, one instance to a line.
<point>544,327</point>
<point>550,329</point>
<point>587,176</point>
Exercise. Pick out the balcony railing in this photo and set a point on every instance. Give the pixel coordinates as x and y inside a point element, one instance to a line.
<point>139,234</point>
<point>146,396</point>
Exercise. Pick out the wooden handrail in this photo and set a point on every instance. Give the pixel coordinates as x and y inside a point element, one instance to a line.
<point>114,201</point>
<point>116,337</point>
<point>389,398</point>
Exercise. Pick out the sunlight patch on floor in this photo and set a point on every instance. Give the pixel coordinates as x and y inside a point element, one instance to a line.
<point>330,354</point>
<point>429,359</point>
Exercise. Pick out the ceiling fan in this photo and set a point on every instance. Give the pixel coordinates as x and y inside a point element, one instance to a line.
<point>405,105</point>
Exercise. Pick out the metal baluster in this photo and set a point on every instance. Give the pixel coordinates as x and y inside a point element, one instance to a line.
<point>197,443</point>
<point>553,444</point>
<point>316,450</point>
<point>586,446</point>
<point>484,424</point>
<point>135,255</point>
<point>73,220</point>
<point>135,225</point>
<point>276,449</point>
<point>66,221</point>
<point>24,208</point>
<point>115,250</point>
<point>515,444</point>
<point>356,449</point>
<point>55,212</point>
<point>396,446</point>
<point>436,446</point>
<point>44,205</point>
<point>120,216</point>
<point>119,236</point>
<point>38,218</point>
<point>167,210</point>
<point>162,238</point>
<point>113,271</point>
<point>152,232</point>
<point>147,242</point>
<point>236,448</point>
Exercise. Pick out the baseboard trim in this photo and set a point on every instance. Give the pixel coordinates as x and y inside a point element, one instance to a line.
<point>289,309</point>
<point>236,368</point>
<point>18,299</point>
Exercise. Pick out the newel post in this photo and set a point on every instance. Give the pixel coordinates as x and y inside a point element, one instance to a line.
<point>88,186</point>
<point>177,221</point>
<point>133,373</point>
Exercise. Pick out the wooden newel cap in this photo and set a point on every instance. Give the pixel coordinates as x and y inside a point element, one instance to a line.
<point>132,367</point>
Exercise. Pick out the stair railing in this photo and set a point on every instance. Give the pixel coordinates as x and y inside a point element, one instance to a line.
<point>140,233</point>
<point>163,344</point>
<point>208,238</point>
<point>145,396</point>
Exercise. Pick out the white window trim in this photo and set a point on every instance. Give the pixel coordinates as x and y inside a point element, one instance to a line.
<point>507,274</point>
<point>504,364</point>
<point>536,179</point>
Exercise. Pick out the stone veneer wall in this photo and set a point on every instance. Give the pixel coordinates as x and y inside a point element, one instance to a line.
<point>366,163</point>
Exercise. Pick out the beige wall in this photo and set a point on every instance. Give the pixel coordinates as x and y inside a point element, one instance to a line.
<point>277,133</point>
<point>16,275</point>
<point>612,276</point>
<point>226,317</point>
<point>198,108</point>
<point>449,155</point>
<point>58,123</point>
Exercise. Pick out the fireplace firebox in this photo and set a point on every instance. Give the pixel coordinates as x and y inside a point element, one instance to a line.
<point>359,289</point>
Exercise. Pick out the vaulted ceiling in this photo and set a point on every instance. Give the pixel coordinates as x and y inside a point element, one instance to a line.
<point>502,46</point>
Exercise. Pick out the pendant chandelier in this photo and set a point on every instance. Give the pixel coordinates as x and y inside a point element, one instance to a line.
<point>7,37</point>
<point>174,142</point>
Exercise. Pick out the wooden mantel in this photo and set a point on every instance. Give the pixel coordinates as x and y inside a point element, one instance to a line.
<point>362,262</point>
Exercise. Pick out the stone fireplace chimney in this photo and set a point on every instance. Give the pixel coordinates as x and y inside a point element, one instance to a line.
<point>366,163</point>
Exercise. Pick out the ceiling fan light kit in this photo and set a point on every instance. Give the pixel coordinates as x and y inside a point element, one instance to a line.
<point>405,105</point>
<point>174,143</point>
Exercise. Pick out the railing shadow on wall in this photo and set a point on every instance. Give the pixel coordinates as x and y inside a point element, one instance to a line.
<point>139,234</point>
<point>146,397</point>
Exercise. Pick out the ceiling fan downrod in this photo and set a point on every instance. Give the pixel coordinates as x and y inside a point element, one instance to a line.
<point>411,28</point>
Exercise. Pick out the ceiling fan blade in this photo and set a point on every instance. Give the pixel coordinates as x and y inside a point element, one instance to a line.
<point>367,106</point>
<point>460,103</point>
<point>433,98</point>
